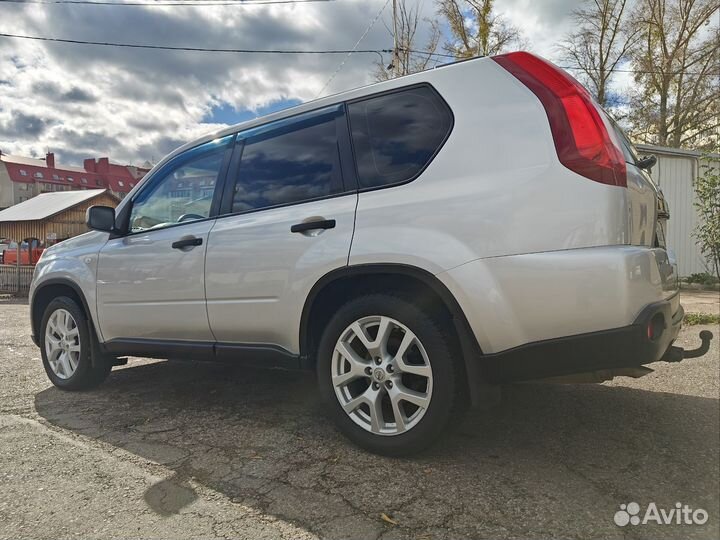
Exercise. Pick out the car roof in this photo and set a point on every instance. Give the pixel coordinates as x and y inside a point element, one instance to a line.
<point>319,103</point>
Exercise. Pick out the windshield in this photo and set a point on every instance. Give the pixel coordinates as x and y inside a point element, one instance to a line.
<point>630,152</point>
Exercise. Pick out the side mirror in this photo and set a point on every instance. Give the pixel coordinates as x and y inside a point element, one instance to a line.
<point>647,162</point>
<point>101,218</point>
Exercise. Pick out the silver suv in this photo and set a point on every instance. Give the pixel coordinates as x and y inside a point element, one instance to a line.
<point>484,222</point>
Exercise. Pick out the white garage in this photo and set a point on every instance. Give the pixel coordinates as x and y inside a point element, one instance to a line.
<point>674,172</point>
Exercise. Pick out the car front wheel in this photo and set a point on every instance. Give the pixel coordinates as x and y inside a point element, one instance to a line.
<point>388,373</point>
<point>66,347</point>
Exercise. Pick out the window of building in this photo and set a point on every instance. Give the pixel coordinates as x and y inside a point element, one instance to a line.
<point>181,194</point>
<point>396,135</point>
<point>55,177</point>
<point>83,180</point>
<point>70,179</point>
<point>23,172</point>
<point>294,164</point>
<point>38,175</point>
<point>121,183</point>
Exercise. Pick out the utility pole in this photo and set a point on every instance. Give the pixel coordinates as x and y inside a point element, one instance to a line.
<point>395,60</point>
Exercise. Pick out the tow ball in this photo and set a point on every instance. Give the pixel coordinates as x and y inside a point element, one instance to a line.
<point>675,354</point>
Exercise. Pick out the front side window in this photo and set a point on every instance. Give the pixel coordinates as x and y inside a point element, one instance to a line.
<point>396,135</point>
<point>289,165</point>
<point>163,204</point>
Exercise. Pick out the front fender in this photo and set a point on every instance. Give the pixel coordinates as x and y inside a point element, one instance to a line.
<point>76,268</point>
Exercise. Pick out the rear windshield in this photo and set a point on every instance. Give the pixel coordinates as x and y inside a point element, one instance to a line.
<point>630,152</point>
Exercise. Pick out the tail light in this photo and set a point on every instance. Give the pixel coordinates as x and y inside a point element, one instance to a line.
<point>582,141</point>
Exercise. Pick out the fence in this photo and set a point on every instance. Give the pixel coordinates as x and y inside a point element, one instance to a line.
<point>9,279</point>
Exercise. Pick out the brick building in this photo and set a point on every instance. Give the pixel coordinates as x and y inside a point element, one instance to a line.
<point>22,178</point>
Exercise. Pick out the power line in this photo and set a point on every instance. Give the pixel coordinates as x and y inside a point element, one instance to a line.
<point>196,49</point>
<point>365,33</point>
<point>164,2</point>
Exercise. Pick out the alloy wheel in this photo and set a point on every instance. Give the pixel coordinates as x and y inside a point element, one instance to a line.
<point>382,376</point>
<point>62,343</point>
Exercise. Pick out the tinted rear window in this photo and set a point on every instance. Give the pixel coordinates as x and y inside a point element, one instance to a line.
<point>629,151</point>
<point>291,166</point>
<point>396,135</point>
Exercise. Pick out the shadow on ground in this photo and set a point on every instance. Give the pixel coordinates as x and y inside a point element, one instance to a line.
<point>550,461</point>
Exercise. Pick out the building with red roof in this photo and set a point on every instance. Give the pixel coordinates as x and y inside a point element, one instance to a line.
<point>22,178</point>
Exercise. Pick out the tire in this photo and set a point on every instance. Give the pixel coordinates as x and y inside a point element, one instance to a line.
<point>70,328</point>
<point>350,380</point>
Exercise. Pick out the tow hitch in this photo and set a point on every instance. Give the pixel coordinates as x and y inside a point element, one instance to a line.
<point>676,354</point>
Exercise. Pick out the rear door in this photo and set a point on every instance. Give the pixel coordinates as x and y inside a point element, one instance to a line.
<point>289,213</point>
<point>647,213</point>
<point>642,193</point>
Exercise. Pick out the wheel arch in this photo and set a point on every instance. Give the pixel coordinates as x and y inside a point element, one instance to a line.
<point>46,292</point>
<point>335,287</point>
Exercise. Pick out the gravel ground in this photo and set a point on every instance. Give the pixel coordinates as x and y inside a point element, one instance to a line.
<point>701,302</point>
<point>181,450</point>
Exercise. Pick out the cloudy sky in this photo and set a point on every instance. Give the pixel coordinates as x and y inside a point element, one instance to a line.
<point>135,105</point>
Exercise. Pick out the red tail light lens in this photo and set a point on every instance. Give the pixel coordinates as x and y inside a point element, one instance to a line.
<point>582,142</point>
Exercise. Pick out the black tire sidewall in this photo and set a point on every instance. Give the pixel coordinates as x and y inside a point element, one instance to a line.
<point>442,362</point>
<point>84,374</point>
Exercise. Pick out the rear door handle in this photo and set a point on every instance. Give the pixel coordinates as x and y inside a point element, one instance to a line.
<point>187,242</point>
<point>310,225</point>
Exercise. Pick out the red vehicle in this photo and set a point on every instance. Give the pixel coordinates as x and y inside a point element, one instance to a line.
<point>27,256</point>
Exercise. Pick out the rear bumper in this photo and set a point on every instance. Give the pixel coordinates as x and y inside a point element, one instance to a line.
<point>629,346</point>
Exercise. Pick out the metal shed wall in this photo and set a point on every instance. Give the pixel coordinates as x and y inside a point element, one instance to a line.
<point>674,173</point>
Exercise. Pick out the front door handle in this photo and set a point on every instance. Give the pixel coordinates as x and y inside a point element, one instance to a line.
<point>188,242</point>
<point>316,224</point>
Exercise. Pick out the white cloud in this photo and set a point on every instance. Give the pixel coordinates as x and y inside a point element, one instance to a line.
<point>542,22</point>
<point>134,104</point>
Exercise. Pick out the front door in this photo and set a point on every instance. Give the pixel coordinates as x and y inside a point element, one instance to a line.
<point>151,280</point>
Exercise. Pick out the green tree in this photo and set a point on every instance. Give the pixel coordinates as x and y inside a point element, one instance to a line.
<point>677,63</point>
<point>601,40</point>
<point>707,231</point>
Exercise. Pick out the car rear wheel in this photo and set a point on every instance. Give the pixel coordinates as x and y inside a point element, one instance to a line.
<point>388,374</point>
<point>66,346</point>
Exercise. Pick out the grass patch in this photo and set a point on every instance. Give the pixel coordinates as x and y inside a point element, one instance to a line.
<point>701,318</point>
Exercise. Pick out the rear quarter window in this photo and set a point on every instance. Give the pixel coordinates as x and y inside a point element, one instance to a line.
<point>396,135</point>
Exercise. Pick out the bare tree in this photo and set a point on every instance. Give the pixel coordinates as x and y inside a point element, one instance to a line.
<point>410,57</point>
<point>476,30</point>
<point>678,73</point>
<point>601,42</point>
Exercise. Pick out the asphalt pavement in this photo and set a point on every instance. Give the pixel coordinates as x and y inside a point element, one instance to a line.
<point>192,450</point>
